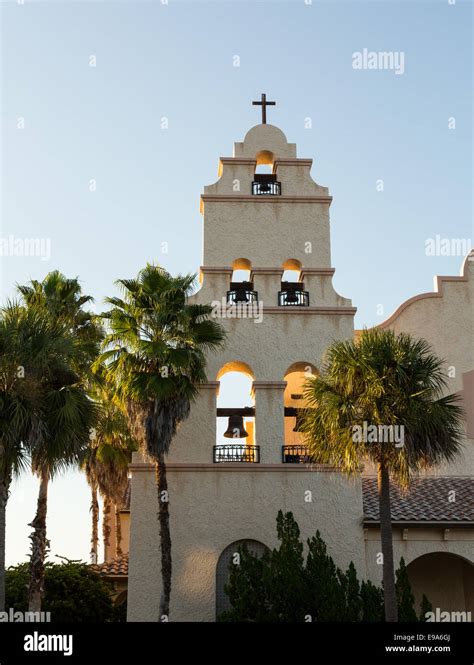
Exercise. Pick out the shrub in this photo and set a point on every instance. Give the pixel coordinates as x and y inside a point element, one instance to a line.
<point>281,586</point>
<point>72,592</point>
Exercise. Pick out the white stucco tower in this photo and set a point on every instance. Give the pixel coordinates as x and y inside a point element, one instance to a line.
<point>275,226</point>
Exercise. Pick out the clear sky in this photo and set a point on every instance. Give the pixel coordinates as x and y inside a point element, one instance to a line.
<point>66,123</point>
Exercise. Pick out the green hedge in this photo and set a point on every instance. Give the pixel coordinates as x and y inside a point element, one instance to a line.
<point>73,592</point>
<point>281,586</point>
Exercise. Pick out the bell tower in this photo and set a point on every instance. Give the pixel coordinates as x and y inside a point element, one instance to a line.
<point>269,216</point>
<point>267,271</point>
<point>273,226</point>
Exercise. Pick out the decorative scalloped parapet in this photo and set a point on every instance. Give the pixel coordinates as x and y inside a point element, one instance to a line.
<point>445,318</point>
<point>265,144</point>
<point>265,137</point>
<point>441,282</point>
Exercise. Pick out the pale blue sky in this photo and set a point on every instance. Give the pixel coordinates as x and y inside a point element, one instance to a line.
<point>176,60</point>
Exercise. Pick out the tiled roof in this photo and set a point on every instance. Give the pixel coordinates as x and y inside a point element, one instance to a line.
<point>437,499</point>
<point>118,566</point>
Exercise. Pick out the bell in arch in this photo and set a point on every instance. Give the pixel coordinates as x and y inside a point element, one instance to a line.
<point>291,296</point>
<point>235,428</point>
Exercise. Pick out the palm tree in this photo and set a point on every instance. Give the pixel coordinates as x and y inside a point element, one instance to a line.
<point>68,413</point>
<point>94,509</point>
<point>108,472</point>
<point>62,298</point>
<point>155,357</point>
<point>68,417</point>
<point>106,467</point>
<point>383,380</point>
<point>31,348</point>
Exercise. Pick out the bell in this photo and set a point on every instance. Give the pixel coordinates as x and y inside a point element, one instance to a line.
<point>235,428</point>
<point>291,296</point>
<point>241,295</point>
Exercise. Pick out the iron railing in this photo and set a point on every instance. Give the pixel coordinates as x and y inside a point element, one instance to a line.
<point>295,454</point>
<point>293,298</point>
<point>267,188</point>
<point>236,453</point>
<point>241,296</point>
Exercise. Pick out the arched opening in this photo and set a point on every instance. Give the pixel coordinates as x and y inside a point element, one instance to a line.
<point>265,180</point>
<point>241,269</point>
<point>294,450</point>
<point>235,426</point>
<point>446,579</point>
<point>291,271</point>
<point>235,366</point>
<point>292,288</point>
<point>241,285</point>
<point>265,158</point>
<point>229,557</point>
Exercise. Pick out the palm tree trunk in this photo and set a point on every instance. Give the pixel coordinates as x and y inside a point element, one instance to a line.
<point>106,526</point>
<point>165,535</point>
<point>95,524</point>
<point>118,532</point>
<point>389,592</point>
<point>4,484</point>
<point>39,546</point>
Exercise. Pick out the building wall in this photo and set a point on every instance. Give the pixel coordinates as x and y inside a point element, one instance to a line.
<point>215,505</point>
<point>445,318</point>
<point>446,582</point>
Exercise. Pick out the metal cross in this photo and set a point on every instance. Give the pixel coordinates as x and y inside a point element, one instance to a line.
<point>263,103</point>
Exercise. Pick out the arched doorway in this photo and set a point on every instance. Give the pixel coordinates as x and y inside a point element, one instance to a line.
<point>446,579</point>
<point>223,570</point>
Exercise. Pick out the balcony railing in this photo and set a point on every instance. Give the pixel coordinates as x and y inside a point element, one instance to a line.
<point>295,454</point>
<point>268,188</point>
<point>293,298</point>
<point>236,453</point>
<point>242,295</point>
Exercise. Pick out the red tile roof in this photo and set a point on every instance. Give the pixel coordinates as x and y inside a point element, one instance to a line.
<point>444,499</point>
<point>116,568</point>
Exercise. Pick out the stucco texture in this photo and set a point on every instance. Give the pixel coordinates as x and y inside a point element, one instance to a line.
<point>212,508</point>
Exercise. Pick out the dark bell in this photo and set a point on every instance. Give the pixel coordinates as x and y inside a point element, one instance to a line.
<point>235,428</point>
<point>241,295</point>
<point>291,296</point>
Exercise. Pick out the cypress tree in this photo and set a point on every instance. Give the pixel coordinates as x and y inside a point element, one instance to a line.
<point>405,597</point>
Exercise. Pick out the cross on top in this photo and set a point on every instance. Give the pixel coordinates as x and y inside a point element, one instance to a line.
<point>263,103</point>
